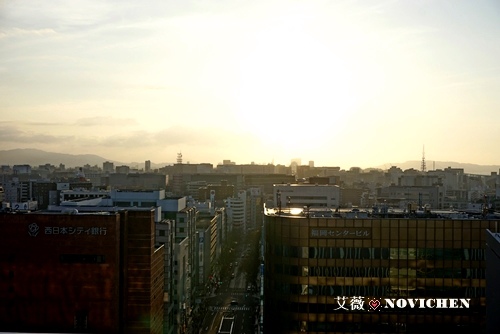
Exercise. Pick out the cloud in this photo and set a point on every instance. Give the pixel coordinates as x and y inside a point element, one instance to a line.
<point>42,133</point>
<point>18,32</point>
<point>105,121</point>
<point>13,135</point>
<point>175,136</point>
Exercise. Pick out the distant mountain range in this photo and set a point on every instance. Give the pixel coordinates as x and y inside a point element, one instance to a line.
<point>36,157</point>
<point>432,165</point>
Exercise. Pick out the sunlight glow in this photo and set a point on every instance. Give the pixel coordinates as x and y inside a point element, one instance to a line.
<point>288,82</point>
<point>296,211</point>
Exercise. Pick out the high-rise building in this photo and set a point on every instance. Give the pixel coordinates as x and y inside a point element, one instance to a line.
<point>122,169</point>
<point>340,275</point>
<point>165,236</point>
<point>236,209</point>
<point>108,167</point>
<point>81,273</point>
<point>492,279</point>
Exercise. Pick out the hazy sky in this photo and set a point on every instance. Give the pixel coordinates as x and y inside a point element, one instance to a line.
<point>343,83</point>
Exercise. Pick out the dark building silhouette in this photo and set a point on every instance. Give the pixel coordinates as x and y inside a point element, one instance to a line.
<point>492,280</point>
<point>312,263</point>
<point>80,273</point>
<point>219,191</point>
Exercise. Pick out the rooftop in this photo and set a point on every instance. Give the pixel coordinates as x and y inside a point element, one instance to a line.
<point>375,213</point>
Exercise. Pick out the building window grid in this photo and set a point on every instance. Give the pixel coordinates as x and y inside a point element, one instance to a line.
<point>436,226</point>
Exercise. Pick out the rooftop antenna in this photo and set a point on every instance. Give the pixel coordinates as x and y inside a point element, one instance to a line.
<point>179,158</point>
<point>422,167</point>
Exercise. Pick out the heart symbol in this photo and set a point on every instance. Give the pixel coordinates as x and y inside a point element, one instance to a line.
<point>374,304</point>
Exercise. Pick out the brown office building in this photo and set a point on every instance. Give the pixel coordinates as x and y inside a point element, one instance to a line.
<point>93,273</point>
<point>374,275</point>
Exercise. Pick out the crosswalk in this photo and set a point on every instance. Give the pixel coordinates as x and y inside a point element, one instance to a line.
<point>229,308</point>
<point>235,294</point>
<point>239,293</point>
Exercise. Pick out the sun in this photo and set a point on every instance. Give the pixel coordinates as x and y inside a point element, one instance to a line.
<point>293,85</point>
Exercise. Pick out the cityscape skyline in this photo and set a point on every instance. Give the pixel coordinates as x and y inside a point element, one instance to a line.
<point>282,249</point>
<point>345,83</point>
<point>35,157</point>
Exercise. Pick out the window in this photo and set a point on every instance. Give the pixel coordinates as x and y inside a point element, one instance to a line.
<point>81,320</point>
<point>162,233</point>
<point>81,258</point>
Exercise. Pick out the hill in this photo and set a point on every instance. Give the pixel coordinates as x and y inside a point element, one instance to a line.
<point>432,165</point>
<point>35,157</point>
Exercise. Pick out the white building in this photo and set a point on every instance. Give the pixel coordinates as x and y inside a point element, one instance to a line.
<point>236,210</point>
<point>143,198</point>
<point>300,195</point>
<point>81,194</point>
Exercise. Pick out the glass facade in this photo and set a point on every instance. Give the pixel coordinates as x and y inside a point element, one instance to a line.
<point>315,268</point>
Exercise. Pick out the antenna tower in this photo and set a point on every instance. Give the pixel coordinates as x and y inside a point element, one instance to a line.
<point>179,158</point>
<point>423,167</point>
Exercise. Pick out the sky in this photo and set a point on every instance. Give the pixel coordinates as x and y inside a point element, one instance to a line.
<point>341,83</point>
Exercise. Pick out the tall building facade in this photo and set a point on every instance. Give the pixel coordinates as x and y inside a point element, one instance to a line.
<point>185,233</point>
<point>97,273</point>
<point>255,204</point>
<point>492,278</point>
<point>108,167</point>
<point>206,226</point>
<point>236,208</point>
<point>316,268</point>
<point>165,237</point>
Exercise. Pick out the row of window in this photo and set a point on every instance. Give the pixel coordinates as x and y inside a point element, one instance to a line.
<point>347,327</point>
<point>82,258</point>
<point>376,291</point>
<point>341,305</point>
<point>380,272</point>
<point>379,253</point>
<point>135,203</point>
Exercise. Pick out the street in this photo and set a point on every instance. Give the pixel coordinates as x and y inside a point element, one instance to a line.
<point>236,297</point>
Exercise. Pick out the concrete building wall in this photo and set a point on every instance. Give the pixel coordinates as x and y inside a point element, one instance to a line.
<point>137,181</point>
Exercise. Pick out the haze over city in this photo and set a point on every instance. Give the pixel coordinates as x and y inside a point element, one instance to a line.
<point>343,83</point>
